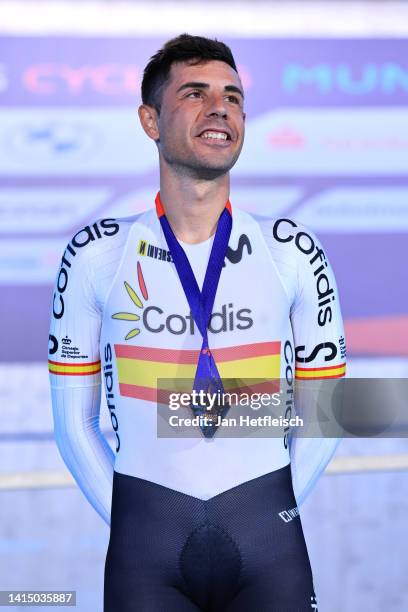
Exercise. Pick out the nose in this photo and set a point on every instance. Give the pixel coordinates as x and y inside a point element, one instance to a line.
<point>216,107</point>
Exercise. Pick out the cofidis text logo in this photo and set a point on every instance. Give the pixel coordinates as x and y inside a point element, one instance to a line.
<point>154,319</point>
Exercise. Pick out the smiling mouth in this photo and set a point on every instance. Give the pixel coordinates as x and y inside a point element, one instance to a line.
<point>215,137</point>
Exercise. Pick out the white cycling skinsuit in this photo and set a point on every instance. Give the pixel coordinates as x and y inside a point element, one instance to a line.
<point>119,313</point>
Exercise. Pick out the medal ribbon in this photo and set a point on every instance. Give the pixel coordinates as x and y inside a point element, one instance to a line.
<point>201,304</point>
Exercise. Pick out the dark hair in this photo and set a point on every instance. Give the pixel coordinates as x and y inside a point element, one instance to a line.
<point>183,48</point>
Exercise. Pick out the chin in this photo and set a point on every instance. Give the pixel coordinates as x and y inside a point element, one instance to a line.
<point>211,172</point>
<point>212,167</point>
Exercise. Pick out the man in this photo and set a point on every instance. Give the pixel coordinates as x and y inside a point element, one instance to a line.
<point>192,288</point>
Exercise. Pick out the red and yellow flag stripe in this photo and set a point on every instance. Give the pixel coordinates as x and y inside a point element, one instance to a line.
<point>336,371</point>
<point>139,368</point>
<point>64,368</point>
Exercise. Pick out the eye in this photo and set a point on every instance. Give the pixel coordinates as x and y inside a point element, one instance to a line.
<point>234,99</point>
<point>194,93</point>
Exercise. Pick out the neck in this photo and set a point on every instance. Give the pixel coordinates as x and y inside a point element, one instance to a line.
<point>193,206</point>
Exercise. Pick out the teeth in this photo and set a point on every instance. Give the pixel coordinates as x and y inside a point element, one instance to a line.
<point>215,135</point>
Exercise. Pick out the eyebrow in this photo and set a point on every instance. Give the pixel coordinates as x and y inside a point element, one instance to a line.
<point>200,85</point>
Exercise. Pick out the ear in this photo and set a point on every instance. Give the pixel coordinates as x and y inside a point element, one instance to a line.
<point>149,121</point>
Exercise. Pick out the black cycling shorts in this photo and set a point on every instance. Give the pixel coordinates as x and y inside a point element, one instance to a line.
<point>242,550</point>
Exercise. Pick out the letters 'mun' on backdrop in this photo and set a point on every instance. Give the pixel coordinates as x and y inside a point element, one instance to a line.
<point>326,144</point>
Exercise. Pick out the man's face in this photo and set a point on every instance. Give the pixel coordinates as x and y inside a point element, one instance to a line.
<point>201,122</point>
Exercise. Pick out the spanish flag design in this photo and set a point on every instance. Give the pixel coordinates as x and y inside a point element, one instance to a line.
<point>140,367</point>
<point>336,371</point>
<point>65,368</point>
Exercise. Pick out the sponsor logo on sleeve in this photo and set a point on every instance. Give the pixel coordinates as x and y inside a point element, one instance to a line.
<point>53,344</point>
<point>342,345</point>
<point>289,377</point>
<point>317,261</point>
<point>326,350</point>
<point>329,350</point>
<point>90,233</point>
<point>110,395</point>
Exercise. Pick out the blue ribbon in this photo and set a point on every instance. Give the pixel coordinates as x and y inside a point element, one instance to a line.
<point>207,377</point>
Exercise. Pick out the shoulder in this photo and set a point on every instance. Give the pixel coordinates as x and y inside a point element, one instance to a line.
<point>97,239</point>
<point>280,230</point>
<point>244,219</point>
<point>295,250</point>
<point>295,243</point>
<point>284,231</point>
<point>88,260</point>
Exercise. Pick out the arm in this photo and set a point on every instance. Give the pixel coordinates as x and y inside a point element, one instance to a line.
<point>75,378</point>
<point>320,353</point>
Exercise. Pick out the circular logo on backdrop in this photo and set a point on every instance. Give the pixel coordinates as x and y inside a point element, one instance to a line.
<point>46,141</point>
